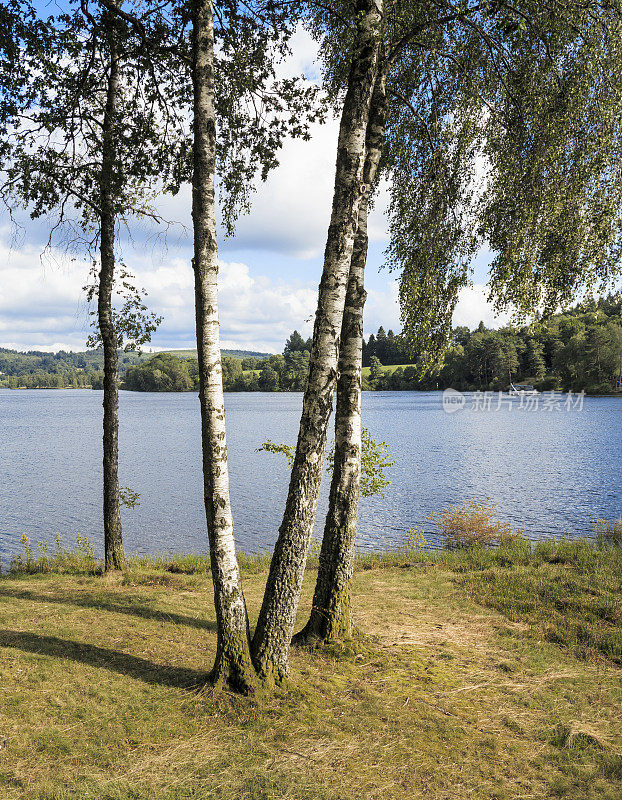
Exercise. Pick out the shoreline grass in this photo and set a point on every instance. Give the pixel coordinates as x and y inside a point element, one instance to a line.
<point>567,590</point>
<point>441,696</point>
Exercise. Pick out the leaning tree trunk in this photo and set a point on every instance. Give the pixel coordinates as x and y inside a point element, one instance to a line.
<point>331,616</point>
<point>277,617</point>
<point>113,540</point>
<point>233,665</point>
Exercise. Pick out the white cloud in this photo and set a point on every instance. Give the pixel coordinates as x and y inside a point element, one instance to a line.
<point>382,308</point>
<point>291,211</point>
<point>377,226</point>
<point>256,313</point>
<point>303,58</point>
<point>41,300</point>
<point>473,307</point>
<point>42,305</point>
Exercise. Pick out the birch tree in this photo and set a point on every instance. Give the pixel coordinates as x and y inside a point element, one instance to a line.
<point>516,143</point>
<point>113,537</point>
<point>275,625</point>
<point>233,661</point>
<point>249,38</point>
<point>86,134</point>
<point>509,84</point>
<point>331,616</point>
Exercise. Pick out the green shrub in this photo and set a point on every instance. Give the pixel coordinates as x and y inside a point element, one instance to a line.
<point>473,524</point>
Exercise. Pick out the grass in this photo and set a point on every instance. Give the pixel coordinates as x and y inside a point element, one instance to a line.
<point>192,353</point>
<point>388,370</point>
<point>451,690</point>
<point>568,592</point>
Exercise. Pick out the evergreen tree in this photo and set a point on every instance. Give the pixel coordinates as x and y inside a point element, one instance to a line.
<point>535,359</point>
<point>381,346</point>
<point>375,371</point>
<point>294,344</point>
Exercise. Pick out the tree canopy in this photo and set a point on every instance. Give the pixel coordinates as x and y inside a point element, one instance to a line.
<point>503,129</point>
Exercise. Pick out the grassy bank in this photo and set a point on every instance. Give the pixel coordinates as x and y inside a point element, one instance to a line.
<point>388,369</point>
<point>456,688</point>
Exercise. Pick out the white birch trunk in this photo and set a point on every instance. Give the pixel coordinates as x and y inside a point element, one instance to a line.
<point>278,613</point>
<point>233,662</point>
<point>331,613</point>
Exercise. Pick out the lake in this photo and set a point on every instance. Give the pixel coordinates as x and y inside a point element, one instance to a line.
<point>550,470</point>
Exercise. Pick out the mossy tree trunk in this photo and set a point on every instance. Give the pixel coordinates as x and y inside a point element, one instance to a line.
<point>233,665</point>
<point>275,625</point>
<point>113,539</point>
<point>331,616</point>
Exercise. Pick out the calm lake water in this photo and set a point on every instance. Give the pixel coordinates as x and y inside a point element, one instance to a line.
<point>549,470</point>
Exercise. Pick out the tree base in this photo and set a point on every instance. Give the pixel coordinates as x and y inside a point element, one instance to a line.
<point>345,648</point>
<point>227,677</point>
<point>322,629</point>
<point>115,566</point>
<point>270,672</point>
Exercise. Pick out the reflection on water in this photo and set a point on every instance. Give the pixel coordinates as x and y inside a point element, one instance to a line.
<point>548,471</point>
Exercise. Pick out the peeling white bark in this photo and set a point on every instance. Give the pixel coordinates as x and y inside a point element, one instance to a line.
<point>331,610</point>
<point>233,662</point>
<point>276,620</point>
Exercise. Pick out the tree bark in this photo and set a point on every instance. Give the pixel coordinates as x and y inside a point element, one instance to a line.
<point>113,539</point>
<point>233,665</point>
<point>331,616</point>
<point>277,617</point>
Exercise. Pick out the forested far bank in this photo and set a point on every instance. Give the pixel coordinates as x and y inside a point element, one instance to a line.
<point>36,369</point>
<point>283,372</point>
<point>579,350</point>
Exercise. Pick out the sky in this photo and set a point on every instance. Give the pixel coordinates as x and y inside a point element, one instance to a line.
<point>269,270</point>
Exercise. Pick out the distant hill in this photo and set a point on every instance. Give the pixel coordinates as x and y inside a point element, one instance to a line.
<point>15,363</point>
<point>230,353</point>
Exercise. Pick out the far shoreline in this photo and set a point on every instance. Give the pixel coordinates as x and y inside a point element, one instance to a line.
<point>614,393</point>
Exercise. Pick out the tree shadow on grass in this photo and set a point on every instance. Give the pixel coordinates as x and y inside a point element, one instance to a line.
<point>123,663</point>
<point>134,607</point>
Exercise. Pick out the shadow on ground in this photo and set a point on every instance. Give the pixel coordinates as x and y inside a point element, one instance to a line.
<point>135,608</point>
<point>103,658</point>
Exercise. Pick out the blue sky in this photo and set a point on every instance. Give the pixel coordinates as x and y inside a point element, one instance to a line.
<point>270,269</point>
